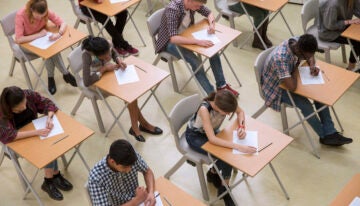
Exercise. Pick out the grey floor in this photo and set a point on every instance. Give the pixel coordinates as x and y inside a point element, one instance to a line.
<point>308,180</point>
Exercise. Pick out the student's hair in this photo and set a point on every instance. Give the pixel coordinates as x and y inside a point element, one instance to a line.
<point>122,152</point>
<point>10,98</point>
<point>96,45</point>
<point>224,99</point>
<point>307,43</point>
<point>38,6</point>
<point>201,1</point>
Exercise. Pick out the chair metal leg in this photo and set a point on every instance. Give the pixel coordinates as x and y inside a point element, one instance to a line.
<point>26,74</point>
<point>12,66</point>
<point>343,51</point>
<point>98,115</point>
<point>259,112</point>
<point>76,25</point>
<point>175,167</point>
<point>88,25</point>
<point>327,56</point>
<point>173,76</point>
<point>78,103</point>
<point>156,61</point>
<point>203,185</point>
<point>232,25</point>
<point>284,119</point>
<point>2,153</point>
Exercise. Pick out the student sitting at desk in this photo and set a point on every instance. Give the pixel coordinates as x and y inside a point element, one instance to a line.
<point>335,16</point>
<point>114,180</point>
<point>280,67</point>
<point>18,108</point>
<point>258,15</point>
<point>204,125</point>
<point>30,23</point>
<point>115,31</point>
<point>96,58</point>
<point>179,15</point>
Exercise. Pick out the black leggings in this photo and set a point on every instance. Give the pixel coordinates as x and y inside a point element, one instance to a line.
<point>355,44</point>
<point>115,31</point>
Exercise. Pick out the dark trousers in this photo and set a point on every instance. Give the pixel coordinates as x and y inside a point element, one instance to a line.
<point>196,140</point>
<point>355,44</point>
<point>115,31</point>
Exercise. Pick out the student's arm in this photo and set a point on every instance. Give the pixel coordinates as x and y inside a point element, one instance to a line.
<point>150,186</point>
<point>58,22</point>
<point>88,78</point>
<point>20,30</point>
<point>209,130</point>
<point>211,20</point>
<point>240,114</point>
<point>140,196</point>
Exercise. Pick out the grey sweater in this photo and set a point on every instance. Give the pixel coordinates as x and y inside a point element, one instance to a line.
<point>332,14</point>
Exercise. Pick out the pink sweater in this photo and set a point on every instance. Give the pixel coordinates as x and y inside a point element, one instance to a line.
<point>23,27</point>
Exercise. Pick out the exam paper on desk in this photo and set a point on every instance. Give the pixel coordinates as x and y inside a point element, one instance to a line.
<point>307,78</point>
<point>158,200</point>
<point>40,123</point>
<point>204,35</point>
<point>251,139</point>
<point>127,75</point>
<point>43,42</point>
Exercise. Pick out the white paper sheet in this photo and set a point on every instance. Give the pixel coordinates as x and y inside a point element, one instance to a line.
<point>117,1</point>
<point>126,76</point>
<point>251,139</point>
<point>40,123</point>
<point>307,78</point>
<point>158,200</point>
<point>355,202</point>
<point>43,42</point>
<point>204,35</point>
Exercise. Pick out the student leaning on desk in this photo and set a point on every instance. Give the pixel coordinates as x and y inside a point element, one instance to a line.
<point>280,67</point>
<point>114,180</point>
<point>30,23</point>
<point>18,108</point>
<point>204,125</point>
<point>96,57</point>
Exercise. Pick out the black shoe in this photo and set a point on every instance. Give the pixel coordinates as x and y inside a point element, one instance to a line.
<point>51,85</point>
<point>156,131</point>
<point>345,140</point>
<point>139,138</point>
<point>227,198</point>
<point>69,78</point>
<point>331,140</point>
<point>50,188</point>
<point>213,178</point>
<point>225,17</point>
<point>62,183</point>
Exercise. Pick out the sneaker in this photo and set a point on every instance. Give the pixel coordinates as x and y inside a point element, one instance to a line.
<point>122,52</point>
<point>51,85</point>
<point>227,198</point>
<point>49,187</point>
<point>227,86</point>
<point>331,140</point>
<point>132,51</point>
<point>345,140</point>
<point>213,178</point>
<point>62,183</point>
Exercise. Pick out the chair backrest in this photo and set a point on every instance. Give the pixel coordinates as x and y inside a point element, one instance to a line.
<point>222,7</point>
<point>8,26</point>
<point>259,65</point>
<point>310,11</point>
<point>75,61</point>
<point>76,8</point>
<point>153,23</point>
<point>181,113</point>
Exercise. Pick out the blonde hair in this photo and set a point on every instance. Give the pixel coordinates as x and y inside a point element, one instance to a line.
<point>38,6</point>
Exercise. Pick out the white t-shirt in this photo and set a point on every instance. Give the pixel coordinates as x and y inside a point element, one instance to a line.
<point>185,22</point>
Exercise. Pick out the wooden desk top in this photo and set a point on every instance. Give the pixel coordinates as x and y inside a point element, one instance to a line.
<point>42,152</point>
<point>132,91</point>
<point>352,32</point>
<point>108,8</point>
<point>348,193</point>
<point>174,195</point>
<point>328,93</point>
<point>225,34</point>
<point>63,43</point>
<point>250,164</point>
<point>270,5</point>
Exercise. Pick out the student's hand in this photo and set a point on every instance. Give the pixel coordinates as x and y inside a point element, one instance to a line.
<point>42,33</point>
<point>246,149</point>
<point>42,132</point>
<point>205,43</point>
<point>141,194</point>
<point>121,65</point>
<point>354,21</point>
<point>49,123</point>
<point>54,36</point>
<point>314,71</point>
<point>150,200</point>
<point>211,29</point>
<point>241,132</point>
<point>99,1</point>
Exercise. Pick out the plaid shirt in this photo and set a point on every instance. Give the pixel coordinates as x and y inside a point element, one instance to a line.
<point>278,65</point>
<point>109,188</point>
<point>173,16</point>
<point>36,103</point>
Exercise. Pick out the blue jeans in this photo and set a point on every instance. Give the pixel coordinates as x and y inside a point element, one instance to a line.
<point>194,61</point>
<point>323,126</point>
<point>196,140</point>
<point>53,165</point>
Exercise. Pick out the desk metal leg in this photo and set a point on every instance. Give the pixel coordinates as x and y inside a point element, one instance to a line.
<point>93,18</point>
<point>231,68</point>
<point>77,151</point>
<point>132,20</point>
<point>287,25</point>
<point>337,119</point>
<point>279,181</point>
<point>157,100</point>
